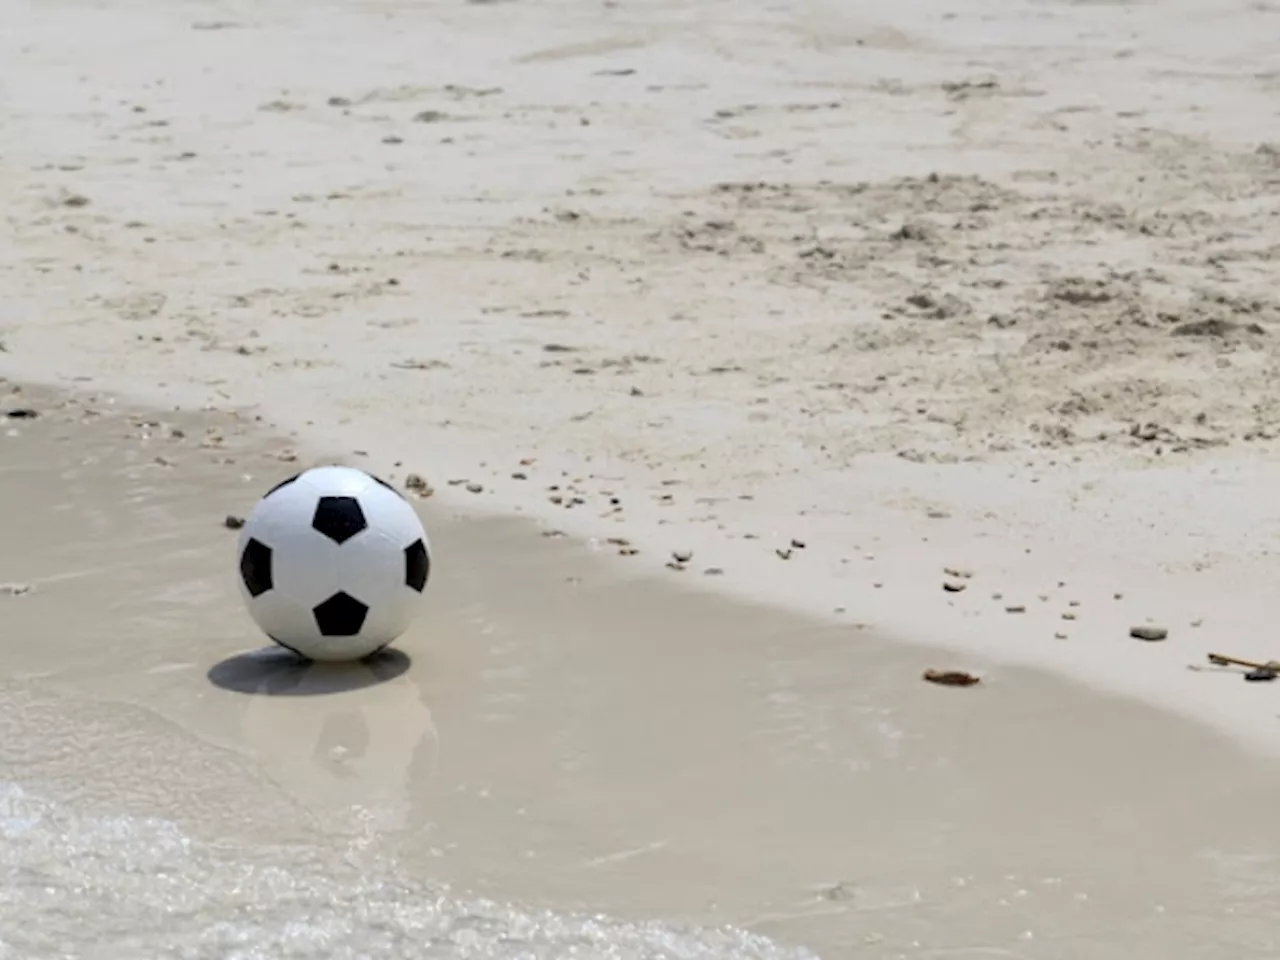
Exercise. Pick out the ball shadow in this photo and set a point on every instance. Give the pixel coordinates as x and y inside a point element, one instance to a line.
<point>276,672</point>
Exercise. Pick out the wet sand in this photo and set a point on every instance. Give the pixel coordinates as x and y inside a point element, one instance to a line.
<point>556,735</point>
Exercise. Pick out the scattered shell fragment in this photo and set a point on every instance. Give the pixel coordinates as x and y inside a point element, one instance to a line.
<point>954,586</point>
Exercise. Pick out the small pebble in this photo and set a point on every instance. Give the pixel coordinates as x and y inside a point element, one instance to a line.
<point>475,488</point>
<point>416,483</point>
<point>1068,615</point>
<point>233,523</point>
<point>1015,608</point>
<point>1148,633</point>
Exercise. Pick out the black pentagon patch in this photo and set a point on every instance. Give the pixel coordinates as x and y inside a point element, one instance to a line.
<point>417,566</point>
<point>342,615</point>
<point>255,567</point>
<point>387,485</point>
<point>282,483</point>
<point>339,518</point>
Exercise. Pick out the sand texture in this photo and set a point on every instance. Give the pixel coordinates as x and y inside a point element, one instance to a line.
<point>559,739</point>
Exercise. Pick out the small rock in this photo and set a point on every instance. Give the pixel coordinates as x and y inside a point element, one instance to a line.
<point>627,551</point>
<point>951,678</point>
<point>233,523</point>
<point>417,484</point>
<point>1068,615</point>
<point>1015,608</point>
<point>475,488</point>
<point>1059,636</point>
<point>797,544</point>
<point>675,565</point>
<point>22,413</point>
<point>1148,633</point>
<point>518,475</point>
<point>960,572</point>
<point>783,553</point>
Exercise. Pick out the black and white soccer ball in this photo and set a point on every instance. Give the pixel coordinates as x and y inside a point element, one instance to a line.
<point>333,564</point>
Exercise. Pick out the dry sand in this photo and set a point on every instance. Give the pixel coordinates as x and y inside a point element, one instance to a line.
<point>556,736</point>
<point>922,286</point>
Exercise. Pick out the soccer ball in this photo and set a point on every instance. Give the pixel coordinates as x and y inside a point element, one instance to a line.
<point>333,564</point>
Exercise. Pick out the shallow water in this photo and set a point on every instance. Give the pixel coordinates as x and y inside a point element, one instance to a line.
<point>88,887</point>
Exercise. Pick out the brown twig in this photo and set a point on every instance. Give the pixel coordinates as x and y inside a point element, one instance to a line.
<point>1222,660</point>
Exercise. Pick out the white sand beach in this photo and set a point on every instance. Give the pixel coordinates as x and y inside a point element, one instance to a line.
<point>947,325</point>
